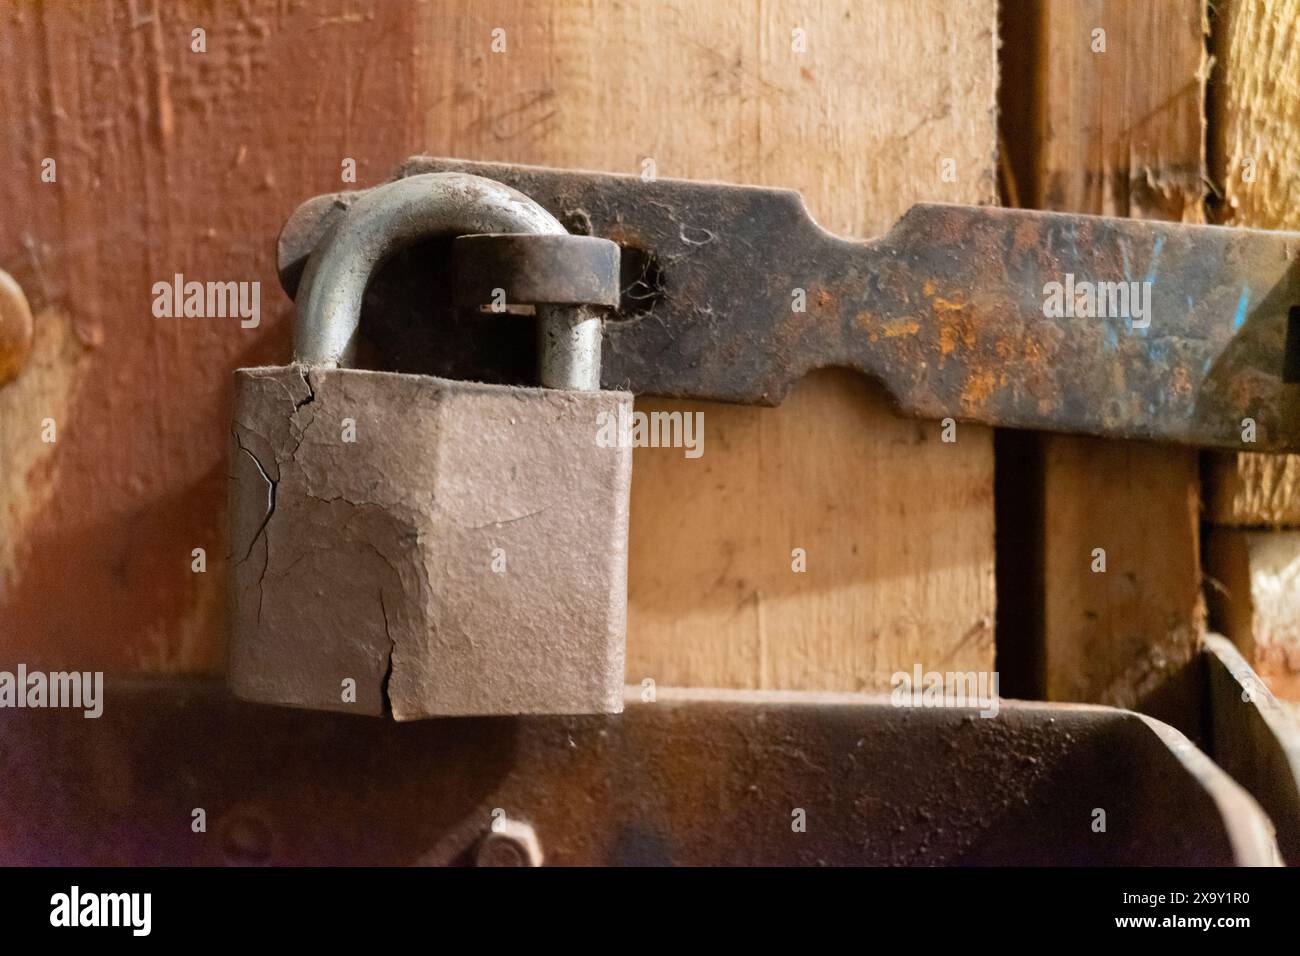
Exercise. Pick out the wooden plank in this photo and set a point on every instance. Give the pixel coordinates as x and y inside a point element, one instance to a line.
<point>179,163</point>
<point>894,577</point>
<point>1118,131</point>
<point>896,526</point>
<point>1255,97</point>
<point>1256,150</point>
<point>1115,637</point>
<point>167,161</point>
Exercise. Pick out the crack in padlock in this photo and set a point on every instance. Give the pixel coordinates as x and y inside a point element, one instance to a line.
<point>422,546</point>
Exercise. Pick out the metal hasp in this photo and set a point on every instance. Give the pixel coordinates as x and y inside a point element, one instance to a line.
<point>692,778</point>
<point>732,293</point>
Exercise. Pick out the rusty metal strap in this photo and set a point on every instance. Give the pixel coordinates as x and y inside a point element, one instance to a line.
<point>732,293</point>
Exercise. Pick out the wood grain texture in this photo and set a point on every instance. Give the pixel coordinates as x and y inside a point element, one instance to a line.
<point>1255,99</point>
<point>1115,637</point>
<point>171,161</point>
<point>1122,134</point>
<point>1256,154</point>
<point>1252,490</point>
<point>1123,129</point>
<point>896,527</point>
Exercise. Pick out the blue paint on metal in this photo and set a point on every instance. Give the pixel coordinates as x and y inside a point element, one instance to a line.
<point>1110,337</point>
<point>1158,350</point>
<point>1155,260</point>
<point>1239,319</point>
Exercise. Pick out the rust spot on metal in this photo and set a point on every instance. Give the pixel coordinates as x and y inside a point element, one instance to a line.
<point>979,386</point>
<point>1026,237</point>
<point>955,326</point>
<point>901,327</point>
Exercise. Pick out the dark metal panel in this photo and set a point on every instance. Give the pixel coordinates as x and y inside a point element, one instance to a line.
<point>1254,740</point>
<point>693,778</point>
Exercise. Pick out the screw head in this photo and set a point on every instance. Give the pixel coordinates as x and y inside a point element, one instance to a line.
<point>514,843</point>
<point>246,838</point>
<point>15,328</point>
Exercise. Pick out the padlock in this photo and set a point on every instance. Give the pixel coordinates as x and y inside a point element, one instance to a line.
<point>417,546</point>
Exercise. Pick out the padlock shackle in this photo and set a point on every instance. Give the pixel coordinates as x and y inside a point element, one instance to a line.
<point>382,221</point>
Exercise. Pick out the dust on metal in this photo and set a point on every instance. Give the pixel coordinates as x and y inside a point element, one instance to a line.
<point>694,778</point>
<point>532,269</point>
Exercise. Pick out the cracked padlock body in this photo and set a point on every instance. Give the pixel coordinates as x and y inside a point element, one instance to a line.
<point>421,546</point>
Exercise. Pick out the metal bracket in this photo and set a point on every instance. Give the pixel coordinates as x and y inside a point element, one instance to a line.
<point>732,293</point>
